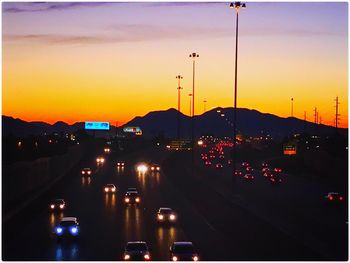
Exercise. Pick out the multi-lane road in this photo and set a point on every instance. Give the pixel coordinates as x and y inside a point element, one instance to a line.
<point>223,222</point>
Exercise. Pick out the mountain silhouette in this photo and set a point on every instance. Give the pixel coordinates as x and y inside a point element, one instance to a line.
<point>249,123</point>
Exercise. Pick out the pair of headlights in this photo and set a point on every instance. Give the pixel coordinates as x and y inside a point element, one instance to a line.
<point>146,257</point>
<point>60,206</point>
<point>171,217</point>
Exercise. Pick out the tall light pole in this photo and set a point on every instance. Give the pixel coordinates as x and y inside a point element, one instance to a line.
<point>190,95</point>
<point>205,106</point>
<point>236,6</point>
<point>178,77</point>
<point>193,55</point>
<point>292,101</point>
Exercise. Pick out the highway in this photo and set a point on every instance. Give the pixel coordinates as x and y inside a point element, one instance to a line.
<point>221,222</point>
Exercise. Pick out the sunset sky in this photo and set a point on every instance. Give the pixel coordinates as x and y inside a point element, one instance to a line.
<point>114,61</point>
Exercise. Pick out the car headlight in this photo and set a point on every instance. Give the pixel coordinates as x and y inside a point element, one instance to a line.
<point>98,160</point>
<point>158,168</point>
<point>126,257</point>
<point>59,230</point>
<point>127,200</point>
<point>61,206</point>
<point>172,217</point>
<point>137,199</point>
<point>89,172</point>
<point>106,189</point>
<point>118,163</point>
<point>174,258</point>
<point>142,168</point>
<point>152,168</point>
<point>74,230</point>
<point>113,189</point>
<point>52,206</point>
<point>160,217</point>
<point>195,258</point>
<point>82,172</point>
<point>147,257</point>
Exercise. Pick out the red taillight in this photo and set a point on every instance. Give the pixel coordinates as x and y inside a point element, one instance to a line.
<point>341,198</point>
<point>330,198</point>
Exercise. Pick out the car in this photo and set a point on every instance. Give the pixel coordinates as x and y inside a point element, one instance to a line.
<point>132,197</point>
<point>120,164</point>
<point>67,227</point>
<point>278,170</point>
<point>86,171</point>
<point>265,169</point>
<point>334,197</point>
<point>166,215</point>
<point>248,177</point>
<point>142,168</point>
<point>275,178</point>
<point>264,164</point>
<point>100,160</point>
<point>219,166</point>
<point>110,188</point>
<point>267,174</point>
<point>57,205</point>
<point>136,250</point>
<point>245,164</point>
<point>155,167</point>
<point>238,173</point>
<point>181,251</point>
<point>208,163</point>
<point>107,150</point>
<point>249,169</point>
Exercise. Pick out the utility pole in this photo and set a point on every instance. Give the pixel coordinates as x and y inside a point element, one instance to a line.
<point>336,112</point>
<point>178,77</point>
<point>315,115</point>
<point>190,95</point>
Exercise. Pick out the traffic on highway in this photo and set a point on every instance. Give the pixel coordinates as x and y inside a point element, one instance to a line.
<point>147,205</point>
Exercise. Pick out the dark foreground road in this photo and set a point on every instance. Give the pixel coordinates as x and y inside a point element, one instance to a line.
<point>221,229</point>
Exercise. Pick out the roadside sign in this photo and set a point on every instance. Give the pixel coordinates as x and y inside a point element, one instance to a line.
<point>94,125</point>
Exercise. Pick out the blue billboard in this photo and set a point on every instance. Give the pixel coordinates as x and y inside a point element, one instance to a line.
<point>95,125</point>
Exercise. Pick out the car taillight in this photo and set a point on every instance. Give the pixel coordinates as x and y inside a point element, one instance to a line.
<point>341,198</point>
<point>330,197</point>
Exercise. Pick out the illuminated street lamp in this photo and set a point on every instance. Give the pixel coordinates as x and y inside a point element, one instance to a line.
<point>236,6</point>
<point>193,55</point>
<point>179,78</point>
<point>190,95</point>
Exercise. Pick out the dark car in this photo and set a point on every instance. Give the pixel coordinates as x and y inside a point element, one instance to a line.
<point>86,171</point>
<point>67,227</point>
<point>120,164</point>
<point>110,188</point>
<point>219,166</point>
<point>245,164</point>
<point>275,178</point>
<point>334,197</point>
<point>248,177</point>
<point>238,173</point>
<point>166,215</point>
<point>57,205</point>
<point>181,251</point>
<point>155,167</point>
<point>132,197</point>
<point>137,250</point>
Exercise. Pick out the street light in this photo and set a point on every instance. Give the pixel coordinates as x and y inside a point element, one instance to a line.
<point>178,77</point>
<point>193,55</point>
<point>236,6</point>
<point>190,95</point>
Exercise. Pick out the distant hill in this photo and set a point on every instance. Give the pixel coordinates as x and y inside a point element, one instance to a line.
<point>249,122</point>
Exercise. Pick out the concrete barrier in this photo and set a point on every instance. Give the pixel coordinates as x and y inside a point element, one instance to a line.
<point>23,178</point>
